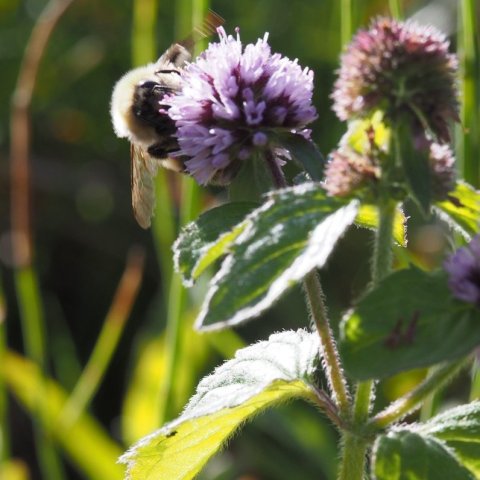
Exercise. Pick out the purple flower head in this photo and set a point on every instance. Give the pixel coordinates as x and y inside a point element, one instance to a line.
<point>404,69</point>
<point>463,268</point>
<point>233,100</point>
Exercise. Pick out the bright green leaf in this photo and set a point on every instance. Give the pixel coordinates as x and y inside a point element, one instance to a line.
<point>359,134</point>
<point>461,209</point>
<point>459,428</point>
<point>259,376</point>
<point>87,445</point>
<point>410,320</point>
<point>205,240</point>
<point>368,218</point>
<point>290,235</point>
<point>405,455</point>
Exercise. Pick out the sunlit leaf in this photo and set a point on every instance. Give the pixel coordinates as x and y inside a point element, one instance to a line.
<point>14,470</point>
<point>359,138</point>
<point>405,455</point>
<point>461,209</point>
<point>144,397</point>
<point>259,376</point>
<point>205,240</point>
<point>88,446</point>
<point>290,235</point>
<point>459,428</point>
<point>367,217</point>
<point>410,320</point>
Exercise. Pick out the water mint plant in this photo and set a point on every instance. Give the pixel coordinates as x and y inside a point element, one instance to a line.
<point>397,91</point>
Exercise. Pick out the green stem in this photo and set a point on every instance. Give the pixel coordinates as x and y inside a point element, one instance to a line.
<point>177,301</point>
<point>107,342</point>
<point>467,132</point>
<point>33,329</point>
<point>354,448</point>
<point>353,457</point>
<point>412,400</point>
<point>187,15</point>
<point>396,10</point>
<point>318,311</point>
<point>475,386</point>
<point>332,366</point>
<point>431,402</point>
<point>4,439</point>
<point>382,254</point>
<point>346,27</point>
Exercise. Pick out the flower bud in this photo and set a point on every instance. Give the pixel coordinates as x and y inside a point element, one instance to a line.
<point>403,69</point>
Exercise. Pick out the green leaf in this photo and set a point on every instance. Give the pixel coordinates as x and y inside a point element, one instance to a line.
<point>86,444</point>
<point>368,218</point>
<point>410,320</point>
<point>259,376</point>
<point>459,428</point>
<point>305,153</point>
<point>417,171</point>
<point>205,240</point>
<point>251,182</point>
<point>461,209</point>
<point>405,455</point>
<point>290,235</point>
<point>359,134</point>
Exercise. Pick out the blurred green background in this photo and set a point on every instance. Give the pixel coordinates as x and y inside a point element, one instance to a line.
<point>54,310</point>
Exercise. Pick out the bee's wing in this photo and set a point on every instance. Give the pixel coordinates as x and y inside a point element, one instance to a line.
<point>143,171</point>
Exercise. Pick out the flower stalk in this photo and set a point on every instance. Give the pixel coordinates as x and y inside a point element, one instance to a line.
<point>413,400</point>
<point>331,359</point>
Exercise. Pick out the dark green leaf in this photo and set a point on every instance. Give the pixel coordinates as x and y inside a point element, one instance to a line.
<point>290,235</point>
<point>459,428</point>
<point>202,242</point>
<point>252,181</point>
<point>417,170</point>
<point>410,320</point>
<point>260,376</point>
<point>405,455</point>
<point>461,209</point>
<point>305,153</point>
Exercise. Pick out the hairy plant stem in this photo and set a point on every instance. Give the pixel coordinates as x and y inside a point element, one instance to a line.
<point>314,293</point>
<point>355,448</point>
<point>331,359</point>
<point>412,400</point>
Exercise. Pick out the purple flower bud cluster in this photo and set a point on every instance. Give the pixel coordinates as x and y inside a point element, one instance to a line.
<point>406,72</point>
<point>463,268</point>
<point>233,102</point>
<point>404,69</point>
<point>347,171</point>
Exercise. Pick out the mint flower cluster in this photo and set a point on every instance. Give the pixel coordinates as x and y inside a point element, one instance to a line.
<point>405,71</point>
<point>234,102</point>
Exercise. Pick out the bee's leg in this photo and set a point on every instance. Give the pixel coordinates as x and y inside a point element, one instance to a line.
<point>163,149</point>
